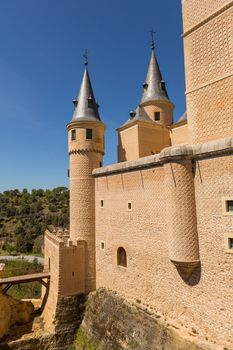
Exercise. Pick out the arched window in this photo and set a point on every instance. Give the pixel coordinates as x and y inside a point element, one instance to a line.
<point>121,257</point>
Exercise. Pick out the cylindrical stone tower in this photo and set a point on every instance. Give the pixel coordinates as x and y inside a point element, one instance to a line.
<point>181,214</point>
<point>86,149</point>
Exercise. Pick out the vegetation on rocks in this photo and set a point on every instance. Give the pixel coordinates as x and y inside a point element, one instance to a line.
<point>25,215</point>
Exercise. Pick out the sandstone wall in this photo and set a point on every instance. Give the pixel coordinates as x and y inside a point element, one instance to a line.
<point>203,301</point>
<point>180,134</point>
<point>208,50</point>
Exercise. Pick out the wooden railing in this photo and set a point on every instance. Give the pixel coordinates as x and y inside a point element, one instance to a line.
<point>23,271</point>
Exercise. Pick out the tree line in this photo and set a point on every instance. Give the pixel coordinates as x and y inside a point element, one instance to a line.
<point>25,215</point>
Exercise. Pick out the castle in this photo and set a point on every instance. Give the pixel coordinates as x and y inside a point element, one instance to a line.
<point>158,225</point>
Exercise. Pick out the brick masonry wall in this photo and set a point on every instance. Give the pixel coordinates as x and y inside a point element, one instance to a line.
<point>180,135</point>
<point>203,302</point>
<point>209,69</point>
<point>195,11</point>
<point>85,155</point>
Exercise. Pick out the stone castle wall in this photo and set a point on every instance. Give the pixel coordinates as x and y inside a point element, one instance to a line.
<point>66,263</point>
<point>208,49</point>
<point>203,301</point>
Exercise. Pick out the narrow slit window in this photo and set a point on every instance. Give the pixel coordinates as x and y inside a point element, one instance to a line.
<point>102,245</point>
<point>101,203</point>
<point>230,243</point>
<point>89,134</point>
<point>157,116</point>
<point>129,205</point>
<point>229,206</point>
<point>121,257</point>
<point>73,135</point>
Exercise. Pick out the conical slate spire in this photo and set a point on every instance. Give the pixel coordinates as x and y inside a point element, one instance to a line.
<point>86,108</point>
<point>154,86</point>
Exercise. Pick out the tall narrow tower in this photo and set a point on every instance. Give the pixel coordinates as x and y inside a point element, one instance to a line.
<point>86,150</point>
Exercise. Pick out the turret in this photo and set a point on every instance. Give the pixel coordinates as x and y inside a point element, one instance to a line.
<point>86,150</point>
<point>155,100</point>
<point>146,131</point>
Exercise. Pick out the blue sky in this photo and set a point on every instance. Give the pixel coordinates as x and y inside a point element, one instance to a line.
<point>41,66</point>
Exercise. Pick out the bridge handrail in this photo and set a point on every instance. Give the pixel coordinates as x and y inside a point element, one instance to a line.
<point>22,271</point>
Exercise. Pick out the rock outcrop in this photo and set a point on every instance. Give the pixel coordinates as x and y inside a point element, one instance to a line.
<point>13,311</point>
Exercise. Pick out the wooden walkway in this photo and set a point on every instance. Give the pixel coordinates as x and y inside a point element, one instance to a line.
<point>7,282</point>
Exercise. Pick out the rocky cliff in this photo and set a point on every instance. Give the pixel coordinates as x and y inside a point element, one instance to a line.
<point>105,321</point>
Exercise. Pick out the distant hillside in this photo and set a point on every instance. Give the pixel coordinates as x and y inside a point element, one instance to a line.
<point>25,215</point>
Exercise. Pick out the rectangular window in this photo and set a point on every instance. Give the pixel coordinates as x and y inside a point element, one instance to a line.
<point>89,134</point>
<point>73,135</point>
<point>102,245</point>
<point>101,203</point>
<point>68,172</point>
<point>101,164</point>
<point>157,115</point>
<point>229,206</point>
<point>230,243</point>
<point>129,205</point>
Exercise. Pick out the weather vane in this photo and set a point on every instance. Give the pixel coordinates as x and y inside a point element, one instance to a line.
<point>85,58</point>
<point>152,39</point>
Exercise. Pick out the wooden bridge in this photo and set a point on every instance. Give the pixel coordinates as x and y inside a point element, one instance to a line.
<point>7,282</point>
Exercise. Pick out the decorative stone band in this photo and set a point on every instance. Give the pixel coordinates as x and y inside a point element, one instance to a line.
<point>188,151</point>
<point>207,19</point>
<point>84,151</point>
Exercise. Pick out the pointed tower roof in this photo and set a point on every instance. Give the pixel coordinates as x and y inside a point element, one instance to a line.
<point>86,107</point>
<point>154,86</point>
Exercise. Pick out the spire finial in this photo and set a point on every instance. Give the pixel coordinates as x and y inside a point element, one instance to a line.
<point>152,39</point>
<point>85,58</point>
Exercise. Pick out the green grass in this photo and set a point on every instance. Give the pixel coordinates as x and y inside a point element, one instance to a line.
<point>82,341</point>
<point>31,290</point>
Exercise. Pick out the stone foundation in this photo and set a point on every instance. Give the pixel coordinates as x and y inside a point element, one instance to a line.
<point>109,323</point>
<point>112,323</point>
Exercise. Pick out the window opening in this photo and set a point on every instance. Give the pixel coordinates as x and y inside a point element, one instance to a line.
<point>89,134</point>
<point>121,257</point>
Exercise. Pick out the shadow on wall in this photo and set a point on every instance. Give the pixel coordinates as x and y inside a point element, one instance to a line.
<point>190,279</point>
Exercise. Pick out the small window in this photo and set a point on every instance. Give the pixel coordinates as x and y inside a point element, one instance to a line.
<point>73,135</point>
<point>229,206</point>
<point>230,243</point>
<point>121,257</point>
<point>89,134</point>
<point>157,115</point>
<point>129,205</point>
<point>90,103</point>
<point>68,172</point>
<point>145,87</point>
<point>72,273</point>
<point>101,203</point>
<point>101,164</point>
<point>102,245</point>
<point>162,85</point>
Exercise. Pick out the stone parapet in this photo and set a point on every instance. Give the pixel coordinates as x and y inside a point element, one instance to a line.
<point>188,151</point>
